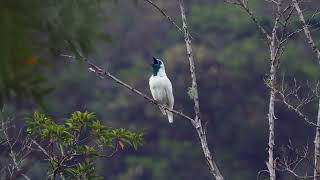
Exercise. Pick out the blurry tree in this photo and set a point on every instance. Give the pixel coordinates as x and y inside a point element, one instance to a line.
<point>277,41</point>
<point>31,32</point>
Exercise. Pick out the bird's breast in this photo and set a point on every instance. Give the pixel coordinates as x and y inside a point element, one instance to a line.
<point>158,87</point>
<point>158,82</point>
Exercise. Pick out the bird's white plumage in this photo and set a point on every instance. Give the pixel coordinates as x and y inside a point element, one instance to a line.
<point>161,90</point>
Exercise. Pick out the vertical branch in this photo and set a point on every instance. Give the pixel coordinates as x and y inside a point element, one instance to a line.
<point>276,44</point>
<point>316,50</point>
<point>306,30</point>
<point>271,117</point>
<point>316,172</point>
<point>187,40</point>
<point>271,164</point>
<point>197,123</point>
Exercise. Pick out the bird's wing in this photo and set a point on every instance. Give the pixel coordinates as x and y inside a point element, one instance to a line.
<point>170,99</point>
<point>169,93</point>
<point>152,88</point>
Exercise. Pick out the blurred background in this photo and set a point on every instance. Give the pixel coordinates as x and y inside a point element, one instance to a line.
<point>122,36</point>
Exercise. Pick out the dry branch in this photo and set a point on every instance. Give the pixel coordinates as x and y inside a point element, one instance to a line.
<point>290,165</point>
<point>306,30</point>
<point>285,93</point>
<point>15,167</point>
<point>102,73</point>
<point>271,164</point>
<point>165,15</point>
<point>244,4</point>
<point>198,122</point>
<point>317,53</point>
<point>276,45</point>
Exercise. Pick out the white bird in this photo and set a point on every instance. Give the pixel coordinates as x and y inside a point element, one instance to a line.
<point>161,87</point>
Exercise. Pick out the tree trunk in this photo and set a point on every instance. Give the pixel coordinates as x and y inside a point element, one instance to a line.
<point>316,172</point>
<point>197,123</point>
<point>271,163</point>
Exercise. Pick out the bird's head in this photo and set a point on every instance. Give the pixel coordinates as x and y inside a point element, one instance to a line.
<point>157,66</point>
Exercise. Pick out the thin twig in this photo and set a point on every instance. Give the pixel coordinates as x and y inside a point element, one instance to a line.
<point>41,148</point>
<point>286,93</point>
<point>16,157</point>
<point>244,5</point>
<point>166,16</point>
<point>260,173</point>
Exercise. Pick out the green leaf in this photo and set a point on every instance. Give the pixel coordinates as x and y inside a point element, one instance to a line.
<point>61,149</point>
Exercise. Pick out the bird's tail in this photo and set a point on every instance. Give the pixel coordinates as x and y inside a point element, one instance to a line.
<point>170,116</point>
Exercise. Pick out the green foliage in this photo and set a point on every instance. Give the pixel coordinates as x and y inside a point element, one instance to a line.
<point>241,58</point>
<point>31,32</point>
<point>82,171</point>
<point>19,75</point>
<point>222,19</point>
<point>73,147</point>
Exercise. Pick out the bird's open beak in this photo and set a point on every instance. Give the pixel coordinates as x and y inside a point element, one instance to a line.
<point>155,61</point>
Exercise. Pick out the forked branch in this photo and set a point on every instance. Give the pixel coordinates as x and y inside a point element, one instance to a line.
<point>317,53</point>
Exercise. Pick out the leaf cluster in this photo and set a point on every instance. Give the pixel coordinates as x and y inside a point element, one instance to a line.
<point>71,148</point>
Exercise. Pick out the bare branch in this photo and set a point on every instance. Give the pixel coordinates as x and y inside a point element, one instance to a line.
<point>299,176</point>
<point>285,164</point>
<point>15,168</point>
<point>317,53</point>
<point>166,16</point>
<point>286,22</point>
<point>274,50</point>
<point>102,73</point>
<point>244,5</point>
<point>306,30</point>
<point>260,173</point>
<point>317,146</point>
<point>198,122</point>
<point>296,110</point>
<point>286,93</point>
<point>41,148</point>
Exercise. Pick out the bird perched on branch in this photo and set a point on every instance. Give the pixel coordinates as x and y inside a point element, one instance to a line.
<point>161,87</point>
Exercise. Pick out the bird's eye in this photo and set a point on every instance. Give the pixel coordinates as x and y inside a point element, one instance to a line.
<point>160,62</point>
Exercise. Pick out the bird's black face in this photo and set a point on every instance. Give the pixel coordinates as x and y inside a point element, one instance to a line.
<point>156,66</point>
<point>156,62</point>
